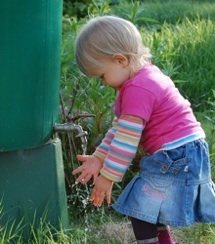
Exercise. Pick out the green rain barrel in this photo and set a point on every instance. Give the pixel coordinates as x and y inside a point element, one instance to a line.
<point>30,38</point>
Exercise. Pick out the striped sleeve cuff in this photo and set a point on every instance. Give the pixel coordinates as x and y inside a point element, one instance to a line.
<point>102,150</point>
<point>123,148</point>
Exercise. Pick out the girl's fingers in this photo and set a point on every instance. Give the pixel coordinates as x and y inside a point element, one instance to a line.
<point>82,178</point>
<point>97,202</point>
<point>92,196</point>
<point>95,176</point>
<point>86,178</point>
<point>77,170</point>
<point>108,198</point>
<point>97,198</point>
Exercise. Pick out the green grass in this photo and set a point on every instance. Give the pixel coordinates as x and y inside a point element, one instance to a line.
<point>148,12</point>
<point>89,232</point>
<point>185,53</point>
<point>198,233</point>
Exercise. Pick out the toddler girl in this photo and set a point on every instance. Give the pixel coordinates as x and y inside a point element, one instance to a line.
<point>174,185</point>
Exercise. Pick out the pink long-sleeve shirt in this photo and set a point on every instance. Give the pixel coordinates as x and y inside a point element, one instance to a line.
<point>152,96</point>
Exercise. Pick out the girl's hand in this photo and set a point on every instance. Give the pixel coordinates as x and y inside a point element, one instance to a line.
<point>90,168</point>
<point>101,190</point>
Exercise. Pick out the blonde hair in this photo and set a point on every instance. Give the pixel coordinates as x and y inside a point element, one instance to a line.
<point>107,35</point>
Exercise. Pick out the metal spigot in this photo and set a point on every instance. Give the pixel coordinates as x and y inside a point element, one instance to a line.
<point>69,127</point>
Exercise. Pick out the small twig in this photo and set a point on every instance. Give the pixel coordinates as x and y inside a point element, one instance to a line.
<point>71,118</point>
<point>63,109</point>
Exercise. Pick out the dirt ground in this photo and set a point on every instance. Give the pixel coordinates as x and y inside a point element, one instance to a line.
<point>123,233</point>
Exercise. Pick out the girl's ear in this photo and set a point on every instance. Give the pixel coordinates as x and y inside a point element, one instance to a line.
<point>120,59</point>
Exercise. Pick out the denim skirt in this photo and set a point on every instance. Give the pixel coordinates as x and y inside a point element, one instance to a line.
<point>173,187</point>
